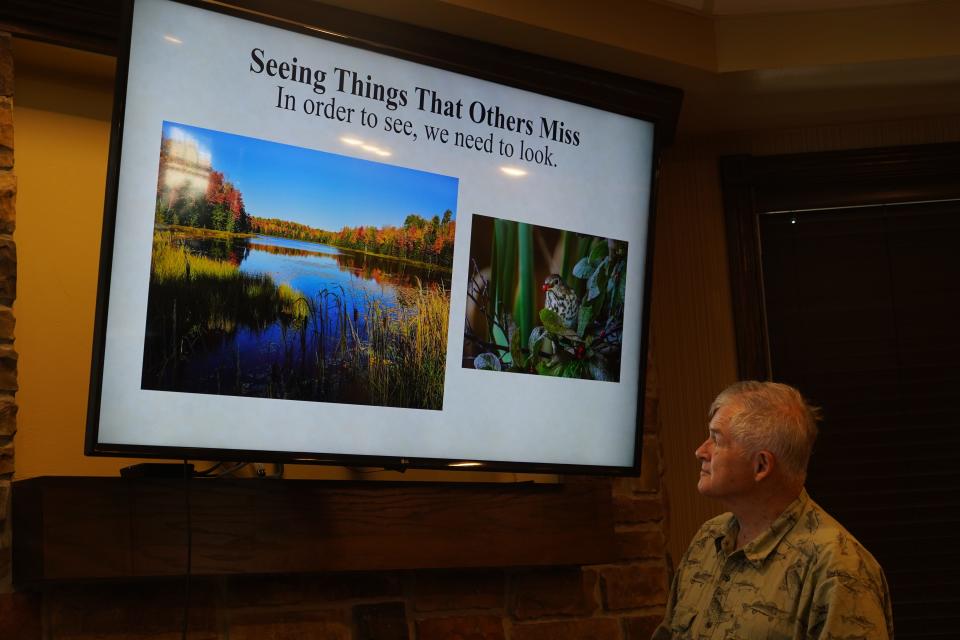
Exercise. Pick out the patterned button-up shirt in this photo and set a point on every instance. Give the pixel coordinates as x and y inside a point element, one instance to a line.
<point>804,578</point>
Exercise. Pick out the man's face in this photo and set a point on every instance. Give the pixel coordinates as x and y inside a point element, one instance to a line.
<point>726,469</point>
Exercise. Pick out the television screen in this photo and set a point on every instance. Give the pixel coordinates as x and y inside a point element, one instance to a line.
<point>323,247</point>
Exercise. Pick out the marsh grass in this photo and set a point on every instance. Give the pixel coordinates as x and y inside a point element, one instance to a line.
<point>192,297</point>
<point>171,262</point>
<point>406,355</point>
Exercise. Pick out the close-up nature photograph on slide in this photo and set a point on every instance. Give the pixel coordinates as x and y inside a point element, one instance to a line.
<point>278,272</point>
<point>544,301</point>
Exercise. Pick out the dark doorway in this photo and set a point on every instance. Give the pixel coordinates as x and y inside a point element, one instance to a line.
<point>858,305</point>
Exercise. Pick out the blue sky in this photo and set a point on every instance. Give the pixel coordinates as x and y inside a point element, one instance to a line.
<point>323,190</point>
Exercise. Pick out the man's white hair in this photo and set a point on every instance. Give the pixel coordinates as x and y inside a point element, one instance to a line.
<point>772,416</point>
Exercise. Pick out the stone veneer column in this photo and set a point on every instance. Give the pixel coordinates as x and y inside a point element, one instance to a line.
<point>8,291</point>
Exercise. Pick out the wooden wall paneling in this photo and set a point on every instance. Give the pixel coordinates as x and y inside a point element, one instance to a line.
<point>98,528</point>
<point>691,325</point>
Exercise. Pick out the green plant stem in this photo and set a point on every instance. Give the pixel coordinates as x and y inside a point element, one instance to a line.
<point>523,306</point>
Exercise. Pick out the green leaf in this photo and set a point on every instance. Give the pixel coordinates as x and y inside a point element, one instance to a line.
<point>536,336</point>
<point>501,339</point>
<point>598,280</point>
<point>598,250</point>
<point>552,322</point>
<point>582,269</point>
<point>549,368</point>
<point>516,353</point>
<point>535,342</point>
<point>618,267</point>
<point>585,318</point>
<point>487,362</point>
<point>600,304</point>
<point>597,366</point>
<point>572,369</point>
<point>615,276</point>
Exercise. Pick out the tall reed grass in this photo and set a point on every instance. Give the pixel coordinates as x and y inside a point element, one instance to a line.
<point>407,349</point>
<point>173,262</point>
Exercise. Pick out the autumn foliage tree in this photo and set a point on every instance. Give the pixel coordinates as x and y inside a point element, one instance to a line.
<point>418,239</point>
<point>219,206</point>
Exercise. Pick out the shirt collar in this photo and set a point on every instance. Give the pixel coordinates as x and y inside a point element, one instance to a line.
<point>760,548</point>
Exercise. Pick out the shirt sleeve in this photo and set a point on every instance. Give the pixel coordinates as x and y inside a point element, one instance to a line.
<point>851,604</point>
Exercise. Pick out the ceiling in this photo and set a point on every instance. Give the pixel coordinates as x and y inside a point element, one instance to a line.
<point>850,61</point>
<point>756,7</point>
<point>764,67</point>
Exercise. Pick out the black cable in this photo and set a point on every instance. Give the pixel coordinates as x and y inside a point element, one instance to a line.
<point>186,590</point>
<point>209,470</point>
<point>226,472</point>
<point>362,471</point>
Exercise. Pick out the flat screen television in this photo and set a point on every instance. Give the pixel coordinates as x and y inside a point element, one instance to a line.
<point>334,238</point>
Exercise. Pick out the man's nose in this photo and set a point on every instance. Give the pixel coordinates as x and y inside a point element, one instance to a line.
<point>701,452</point>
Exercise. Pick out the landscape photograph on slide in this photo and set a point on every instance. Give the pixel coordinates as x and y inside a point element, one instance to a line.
<point>284,272</point>
<point>544,301</point>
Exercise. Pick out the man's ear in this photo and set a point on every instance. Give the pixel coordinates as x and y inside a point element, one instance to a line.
<point>763,463</point>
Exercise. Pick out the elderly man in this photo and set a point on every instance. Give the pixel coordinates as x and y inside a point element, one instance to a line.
<point>777,565</point>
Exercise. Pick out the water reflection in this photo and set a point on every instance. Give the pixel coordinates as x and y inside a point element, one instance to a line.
<point>312,267</point>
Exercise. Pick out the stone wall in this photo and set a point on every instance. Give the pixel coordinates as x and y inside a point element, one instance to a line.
<point>8,291</point>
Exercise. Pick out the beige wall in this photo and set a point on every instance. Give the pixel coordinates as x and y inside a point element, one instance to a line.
<point>62,131</point>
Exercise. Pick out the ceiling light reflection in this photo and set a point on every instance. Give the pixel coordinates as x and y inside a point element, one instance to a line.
<point>357,142</point>
<point>513,172</point>
<point>376,150</point>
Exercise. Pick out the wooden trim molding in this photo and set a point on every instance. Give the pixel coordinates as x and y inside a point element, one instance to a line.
<point>91,25</point>
<point>753,185</point>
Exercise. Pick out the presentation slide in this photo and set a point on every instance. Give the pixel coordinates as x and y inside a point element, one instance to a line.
<point>322,249</point>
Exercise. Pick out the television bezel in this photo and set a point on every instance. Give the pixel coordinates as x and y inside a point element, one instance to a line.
<point>624,95</point>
